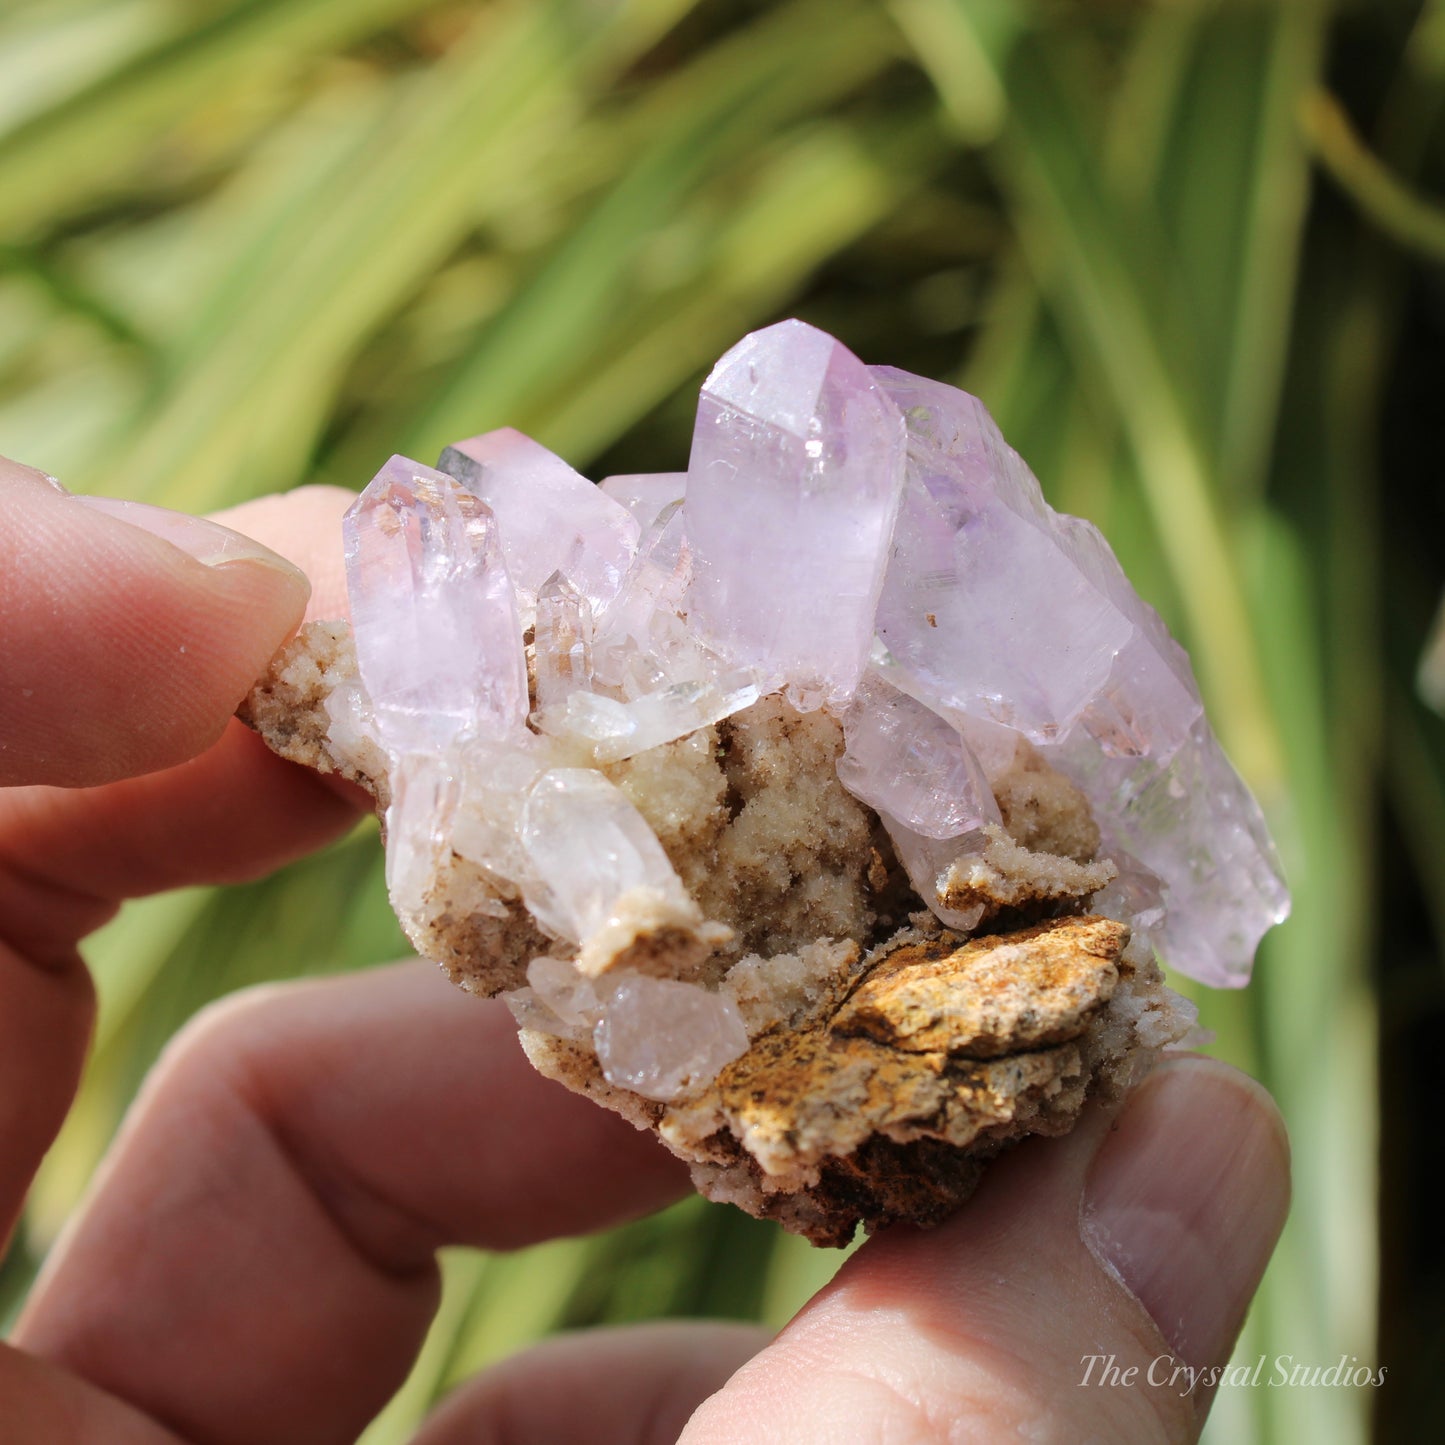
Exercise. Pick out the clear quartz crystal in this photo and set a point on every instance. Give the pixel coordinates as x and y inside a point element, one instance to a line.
<point>793,486</point>
<point>563,642</point>
<point>571,996</point>
<point>639,634</point>
<point>496,779</point>
<point>660,1038</point>
<point>420,819</point>
<point>551,518</point>
<point>617,730</point>
<point>590,847</point>
<point>646,494</point>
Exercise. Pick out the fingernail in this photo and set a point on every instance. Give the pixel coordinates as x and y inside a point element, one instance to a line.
<point>19,472</point>
<point>206,541</point>
<point>1185,1199</point>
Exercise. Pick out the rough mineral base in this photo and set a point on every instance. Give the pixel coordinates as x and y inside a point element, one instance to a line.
<point>825,808</point>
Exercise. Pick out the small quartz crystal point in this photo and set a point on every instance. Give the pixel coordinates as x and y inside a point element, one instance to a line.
<point>551,518</point>
<point>438,643</point>
<point>591,848</point>
<point>793,486</point>
<point>660,1038</point>
<point>563,648</point>
<point>645,494</point>
<point>438,649</point>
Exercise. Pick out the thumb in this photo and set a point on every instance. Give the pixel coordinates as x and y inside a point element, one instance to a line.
<point>128,634</point>
<point>1083,1294</point>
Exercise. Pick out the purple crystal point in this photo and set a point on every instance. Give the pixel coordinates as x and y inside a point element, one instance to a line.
<point>1150,701</point>
<point>1190,819</point>
<point>438,643</point>
<point>855,539</point>
<point>793,487</point>
<point>996,606</point>
<point>985,605</point>
<point>906,761</point>
<point>551,518</point>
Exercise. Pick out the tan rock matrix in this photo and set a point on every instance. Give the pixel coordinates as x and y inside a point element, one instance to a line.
<point>887,1058</point>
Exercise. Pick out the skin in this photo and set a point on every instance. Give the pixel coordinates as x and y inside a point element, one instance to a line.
<point>255,1260</point>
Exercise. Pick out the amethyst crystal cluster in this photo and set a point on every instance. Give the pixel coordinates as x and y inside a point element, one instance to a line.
<point>855,538</point>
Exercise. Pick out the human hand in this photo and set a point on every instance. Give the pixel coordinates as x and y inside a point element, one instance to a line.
<point>255,1262</point>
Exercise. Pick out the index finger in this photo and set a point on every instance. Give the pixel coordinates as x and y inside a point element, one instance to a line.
<point>122,651</point>
<point>127,634</point>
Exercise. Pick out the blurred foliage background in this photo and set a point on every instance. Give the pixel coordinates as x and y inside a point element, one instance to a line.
<point>1185,252</point>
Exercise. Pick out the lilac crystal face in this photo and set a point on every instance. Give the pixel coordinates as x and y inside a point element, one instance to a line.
<point>905,760</point>
<point>1196,828</point>
<point>438,643</point>
<point>551,519</point>
<point>860,540</point>
<point>793,486</point>
<point>973,605</point>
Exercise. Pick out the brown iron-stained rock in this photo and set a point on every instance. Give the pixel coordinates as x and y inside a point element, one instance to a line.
<point>886,1100</point>
<point>990,996</point>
